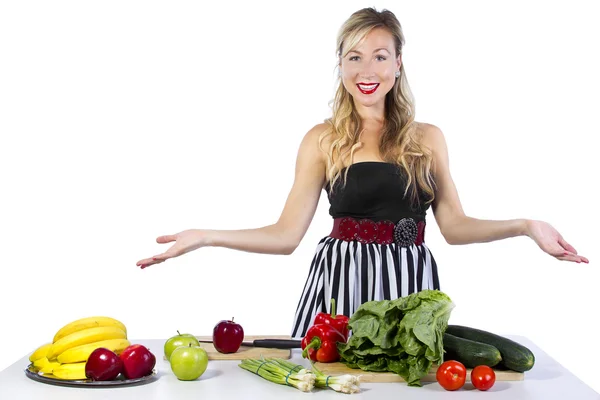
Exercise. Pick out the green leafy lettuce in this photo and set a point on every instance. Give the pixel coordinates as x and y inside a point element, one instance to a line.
<point>404,336</point>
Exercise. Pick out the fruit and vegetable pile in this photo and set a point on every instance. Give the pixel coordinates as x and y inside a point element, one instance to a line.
<point>402,336</point>
<point>93,348</point>
<point>409,336</point>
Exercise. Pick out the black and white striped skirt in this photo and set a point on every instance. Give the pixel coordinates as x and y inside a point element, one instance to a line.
<point>354,273</point>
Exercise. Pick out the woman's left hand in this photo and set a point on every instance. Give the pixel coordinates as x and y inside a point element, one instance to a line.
<point>552,242</point>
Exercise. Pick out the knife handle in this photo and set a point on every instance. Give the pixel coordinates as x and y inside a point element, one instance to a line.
<point>278,343</point>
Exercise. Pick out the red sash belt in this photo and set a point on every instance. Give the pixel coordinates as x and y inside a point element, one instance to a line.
<point>404,233</point>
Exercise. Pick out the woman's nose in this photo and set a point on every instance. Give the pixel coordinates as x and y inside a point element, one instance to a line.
<point>367,71</point>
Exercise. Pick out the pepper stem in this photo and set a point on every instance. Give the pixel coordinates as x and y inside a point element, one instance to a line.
<point>315,343</point>
<point>333,308</point>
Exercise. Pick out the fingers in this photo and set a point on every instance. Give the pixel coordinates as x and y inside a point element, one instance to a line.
<point>564,252</point>
<point>568,256</point>
<point>555,251</point>
<point>147,262</point>
<point>157,259</point>
<point>571,253</point>
<point>566,245</point>
<point>166,238</point>
<point>146,265</point>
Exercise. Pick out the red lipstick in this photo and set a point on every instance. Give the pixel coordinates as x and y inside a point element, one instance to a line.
<point>367,88</point>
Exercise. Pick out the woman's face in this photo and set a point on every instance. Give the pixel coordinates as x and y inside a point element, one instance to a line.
<point>368,70</point>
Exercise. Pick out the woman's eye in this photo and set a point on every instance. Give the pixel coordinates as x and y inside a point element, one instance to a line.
<point>378,58</point>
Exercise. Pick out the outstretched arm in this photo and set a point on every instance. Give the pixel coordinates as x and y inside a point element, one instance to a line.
<point>281,237</point>
<point>457,228</point>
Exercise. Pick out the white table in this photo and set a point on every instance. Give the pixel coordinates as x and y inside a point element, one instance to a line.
<point>224,380</point>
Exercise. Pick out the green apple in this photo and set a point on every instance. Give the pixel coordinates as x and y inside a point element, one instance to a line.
<point>189,362</point>
<point>179,340</point>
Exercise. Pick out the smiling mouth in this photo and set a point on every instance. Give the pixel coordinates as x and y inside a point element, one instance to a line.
<point>367,88</point>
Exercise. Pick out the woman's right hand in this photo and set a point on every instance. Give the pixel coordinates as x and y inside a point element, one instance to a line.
<point>279,238</point>
<point>185,242</point>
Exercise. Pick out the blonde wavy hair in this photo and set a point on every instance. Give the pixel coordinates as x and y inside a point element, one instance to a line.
<point>399,141</point>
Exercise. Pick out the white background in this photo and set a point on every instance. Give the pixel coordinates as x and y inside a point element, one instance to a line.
<point>122,121</point>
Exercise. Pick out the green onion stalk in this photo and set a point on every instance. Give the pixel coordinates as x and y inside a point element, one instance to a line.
<point>273,371</point>
<point>343,383</point>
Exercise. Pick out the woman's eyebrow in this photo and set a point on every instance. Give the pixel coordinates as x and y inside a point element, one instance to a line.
<point>374,51</point>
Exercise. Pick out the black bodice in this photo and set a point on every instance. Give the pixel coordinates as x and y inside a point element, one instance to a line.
<point>374,190</point>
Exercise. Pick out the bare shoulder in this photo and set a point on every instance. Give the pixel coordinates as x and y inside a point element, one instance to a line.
<point>314,134</point>
<point>431,136</point>
<point>312,139</point>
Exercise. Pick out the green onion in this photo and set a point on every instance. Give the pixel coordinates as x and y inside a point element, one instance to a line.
<point>284,372</point>
<point>273,371</point>
<point>342,383</point>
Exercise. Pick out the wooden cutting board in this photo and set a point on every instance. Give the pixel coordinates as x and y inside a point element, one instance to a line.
<point>246,352</point>
<point>368,376</point>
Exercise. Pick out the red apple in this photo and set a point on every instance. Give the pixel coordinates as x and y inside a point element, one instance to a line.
<point>138,361</point>
<point>228,336</point>
<point>103,365</point>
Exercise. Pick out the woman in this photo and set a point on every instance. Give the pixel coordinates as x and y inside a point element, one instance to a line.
<point>382,171</point>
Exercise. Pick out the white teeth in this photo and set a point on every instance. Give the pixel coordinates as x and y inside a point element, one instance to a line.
<point>368,87</point>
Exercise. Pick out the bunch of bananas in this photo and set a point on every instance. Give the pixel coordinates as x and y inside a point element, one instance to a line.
<point>66,355</point>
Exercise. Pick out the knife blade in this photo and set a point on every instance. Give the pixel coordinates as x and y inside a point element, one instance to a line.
<point>269,343</point>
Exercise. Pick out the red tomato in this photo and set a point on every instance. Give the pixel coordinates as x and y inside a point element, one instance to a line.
<point>483,377</point>
<point>451,375</point>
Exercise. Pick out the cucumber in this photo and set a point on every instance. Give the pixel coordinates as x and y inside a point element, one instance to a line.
<point>470,352</point>
<point>515,356</point>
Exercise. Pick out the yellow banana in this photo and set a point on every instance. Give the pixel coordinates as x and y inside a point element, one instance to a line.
<point>49,368</point>
<point>40,352</point>
<point>70,371</point>
<point>41,363</point>
<point>85,323</point>
<point>85,336</point>
<point>81,353</point>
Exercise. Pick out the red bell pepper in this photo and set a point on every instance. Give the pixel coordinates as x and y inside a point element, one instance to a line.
<point>339,322</point>
<point>320,343</point>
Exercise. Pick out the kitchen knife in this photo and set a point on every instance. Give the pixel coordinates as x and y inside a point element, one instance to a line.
<point>269,343</point>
